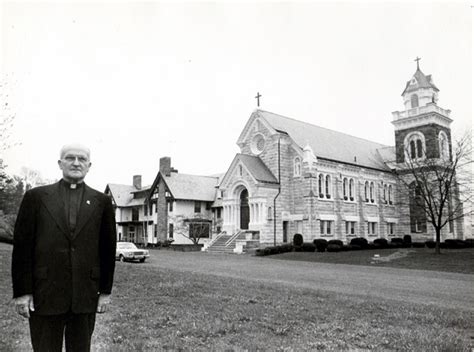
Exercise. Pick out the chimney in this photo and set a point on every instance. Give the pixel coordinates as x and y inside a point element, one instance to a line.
<point>165,165</point>
<point>137,181</point>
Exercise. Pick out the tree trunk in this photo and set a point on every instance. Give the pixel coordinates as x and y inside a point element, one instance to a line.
<point>438,240</point>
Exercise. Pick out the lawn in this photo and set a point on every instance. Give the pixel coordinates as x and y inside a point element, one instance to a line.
<point>155,309</point>
<point>450,260</point>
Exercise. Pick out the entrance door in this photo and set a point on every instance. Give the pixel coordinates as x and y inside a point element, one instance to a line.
<point>244,210</point>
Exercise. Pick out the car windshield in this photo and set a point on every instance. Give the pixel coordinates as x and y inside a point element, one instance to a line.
<point>126,246</point>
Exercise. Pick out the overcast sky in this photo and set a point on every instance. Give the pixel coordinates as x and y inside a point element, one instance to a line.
<point>138,81</point>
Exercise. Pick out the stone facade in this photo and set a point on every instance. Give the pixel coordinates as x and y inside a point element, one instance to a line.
<point>311,195</point>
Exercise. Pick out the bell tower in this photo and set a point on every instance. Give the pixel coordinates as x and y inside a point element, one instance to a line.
<point>422,129</point>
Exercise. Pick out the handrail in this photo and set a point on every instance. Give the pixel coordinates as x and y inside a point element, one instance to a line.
<point>214,240</point>
<point>233,237</point>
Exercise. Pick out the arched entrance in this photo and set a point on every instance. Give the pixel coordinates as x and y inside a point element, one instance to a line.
<point>244,210</point>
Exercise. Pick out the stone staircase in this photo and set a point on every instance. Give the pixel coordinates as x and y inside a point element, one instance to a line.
<point>227,243</point>
<point>221,245</point>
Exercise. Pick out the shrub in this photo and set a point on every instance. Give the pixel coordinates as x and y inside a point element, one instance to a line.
<point>455,244</point>
<point>308,247</point>
<point>430,244</point>
<point>284,248</point>
<point>397,240</point>
<point>333,247</point>
<point>407,239</point>
<point>346,248</point>
<point>354,247</point>
<point>418,245</point>
<point>297,240</point>
<point>338,242</point>
<point>321,244</point>
<point>469,242</point>
<point>382,242</point>
<point>359,241</point>
<point>260,252</point>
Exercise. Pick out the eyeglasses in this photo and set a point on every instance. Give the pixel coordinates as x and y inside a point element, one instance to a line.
<point>72,158</point>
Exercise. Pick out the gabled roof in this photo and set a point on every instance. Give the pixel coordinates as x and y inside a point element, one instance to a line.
<point>122,194</point>
<point>422,81</point>
<point>192,187</point>
<point>188,187</point>
<point>257,168</point>
<point>387,154</point>
<point>328,144</point>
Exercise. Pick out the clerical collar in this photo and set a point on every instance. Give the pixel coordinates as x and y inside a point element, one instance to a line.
<point>72,185</point>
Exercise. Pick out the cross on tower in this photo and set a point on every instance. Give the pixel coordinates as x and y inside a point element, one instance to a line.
<point>417,62</point>
<point>258,98</point>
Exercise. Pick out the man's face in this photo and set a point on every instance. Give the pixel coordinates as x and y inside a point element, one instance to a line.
<point>75,164</point>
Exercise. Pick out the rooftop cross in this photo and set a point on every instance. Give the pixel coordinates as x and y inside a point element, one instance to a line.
<point>258,98</point>
<point>417,62</point>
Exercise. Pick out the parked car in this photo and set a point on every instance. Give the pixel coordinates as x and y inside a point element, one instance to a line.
<point>127,251</point>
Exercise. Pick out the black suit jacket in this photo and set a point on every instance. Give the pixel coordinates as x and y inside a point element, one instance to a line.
<point>64,271</point>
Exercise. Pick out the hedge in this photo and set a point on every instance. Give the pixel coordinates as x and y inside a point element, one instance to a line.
<point>297,240</point>
<point>308,247</point>
<point>321,244</point>
<point>333,247</point>
<point>360,241</point>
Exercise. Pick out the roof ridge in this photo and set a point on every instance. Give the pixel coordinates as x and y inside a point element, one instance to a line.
<point>325,128</point>
<point>183,174</point>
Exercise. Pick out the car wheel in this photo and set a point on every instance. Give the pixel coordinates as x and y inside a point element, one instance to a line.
<point>142,260</point>
<point>122,258</point>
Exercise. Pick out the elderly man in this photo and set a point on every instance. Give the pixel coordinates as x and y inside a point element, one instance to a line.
<point>64,256</point>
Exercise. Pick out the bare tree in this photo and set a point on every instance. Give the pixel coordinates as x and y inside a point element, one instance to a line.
<point>32,178</point>
<point>438,187</point>
<point>192,228</point>
<point>7,118</point>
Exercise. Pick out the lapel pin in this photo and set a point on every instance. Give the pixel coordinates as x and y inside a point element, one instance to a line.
<point>88,202</point>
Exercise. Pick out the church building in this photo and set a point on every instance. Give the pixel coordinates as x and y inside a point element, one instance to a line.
<point>295,177</point>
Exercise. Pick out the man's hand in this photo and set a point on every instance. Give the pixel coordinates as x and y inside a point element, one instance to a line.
<point>104,301</point>
<point>23,305</point>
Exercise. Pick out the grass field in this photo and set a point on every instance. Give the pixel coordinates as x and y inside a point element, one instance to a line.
<point>450,260</point>
<point>156,309</point>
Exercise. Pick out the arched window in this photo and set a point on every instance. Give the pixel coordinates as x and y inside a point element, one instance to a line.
<point>344,188</point>
<point>351,189</point>
<point>385,194</point>
<point>241,172</point>
<point>320,185</point>
<point>372,192</point>
<point>443,145</point>
<point>297,167</point>
<point>412,150</point>
<point>419,148</point>
<point>390,195</point>
<point>328,186</point>
<point>414,101</point>
<point>366,191</point>
<point>414,146</point>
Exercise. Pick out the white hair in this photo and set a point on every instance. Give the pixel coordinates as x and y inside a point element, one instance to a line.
<point>70,146</point>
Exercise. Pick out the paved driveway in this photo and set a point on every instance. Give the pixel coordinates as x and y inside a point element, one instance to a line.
<point>448,290</point>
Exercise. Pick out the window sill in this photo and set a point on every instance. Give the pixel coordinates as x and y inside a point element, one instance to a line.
<point>326,199</point>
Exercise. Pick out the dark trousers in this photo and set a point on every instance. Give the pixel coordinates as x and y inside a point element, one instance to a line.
<point>47,332</point>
